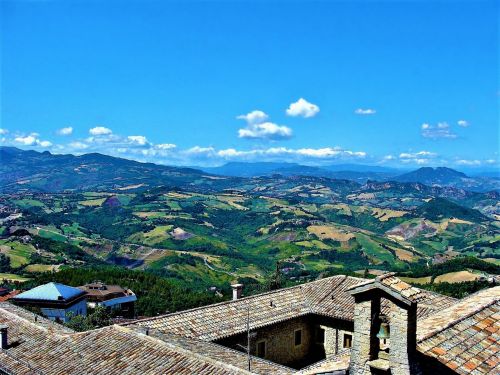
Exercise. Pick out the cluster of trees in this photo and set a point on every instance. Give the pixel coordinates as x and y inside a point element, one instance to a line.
<point>64,249</point>
<point>156,295</point>
<point>97,318</point>
<point>4,263</point>
<point>453,265</point>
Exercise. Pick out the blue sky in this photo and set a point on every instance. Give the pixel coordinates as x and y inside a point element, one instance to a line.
<point>399,83</point>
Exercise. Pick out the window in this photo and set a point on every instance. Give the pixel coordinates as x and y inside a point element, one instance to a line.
<point>320,335</point>
<point>347,340</point>
<point>261,349</point>
<point>298,337</point>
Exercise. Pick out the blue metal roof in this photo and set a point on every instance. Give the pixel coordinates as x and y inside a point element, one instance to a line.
<point>50,292</point>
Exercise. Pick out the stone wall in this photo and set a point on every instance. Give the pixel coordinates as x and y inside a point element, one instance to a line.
<point>280,340</point>
<point>364,345</point>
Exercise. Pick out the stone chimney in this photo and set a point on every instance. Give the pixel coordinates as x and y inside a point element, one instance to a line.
<point>237,290</point>
<point>4,343</point>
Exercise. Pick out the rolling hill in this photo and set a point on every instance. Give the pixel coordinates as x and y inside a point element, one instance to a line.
<point>442,176</point>
<point>46,172</point>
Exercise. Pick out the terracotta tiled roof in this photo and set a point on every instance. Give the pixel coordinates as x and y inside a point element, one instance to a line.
<point>11,365</point>
<point>338,363</point>
<point>466,336</point>
<point>52,349</point>
<point>463,335</point>
<point>329,297</point>
<point>9,295</point>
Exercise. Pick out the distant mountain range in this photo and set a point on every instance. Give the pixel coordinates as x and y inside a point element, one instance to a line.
<point>353,172</point>
<point>35,171</point>
<point>440,176</point>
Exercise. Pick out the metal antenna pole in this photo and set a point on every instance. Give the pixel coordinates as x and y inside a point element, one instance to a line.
<point>248,338</point>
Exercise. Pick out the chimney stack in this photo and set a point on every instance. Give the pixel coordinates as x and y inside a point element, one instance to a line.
<point>237,290</point>
<point>3,336</point>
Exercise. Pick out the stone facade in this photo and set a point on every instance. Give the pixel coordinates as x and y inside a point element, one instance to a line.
<point>403,323</point>
<point>367,356</point>
<point>280,341</point>
<point>365,344</point>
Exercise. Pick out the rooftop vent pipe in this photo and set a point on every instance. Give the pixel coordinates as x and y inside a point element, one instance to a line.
<point>237,290</point>
<point>4,342</point>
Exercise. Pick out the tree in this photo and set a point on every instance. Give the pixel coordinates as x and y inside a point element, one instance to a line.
<point>4,263</point>
<point>98,318</point>
<point>275,280</point>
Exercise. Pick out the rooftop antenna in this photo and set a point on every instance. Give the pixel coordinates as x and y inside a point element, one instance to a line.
<point>249,338</point>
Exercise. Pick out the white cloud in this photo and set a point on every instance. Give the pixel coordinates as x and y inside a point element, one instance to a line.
<point>32,140</point>
<point>28,140</point>
<point>463,123</point>
<point>200,150</point>
<point>441,130</point>
<point>65,131</point>
<point>258,128</point>
<point>78,145</point>
<point>420,157</point>
<point>301,154</point>
<point>367,111</point>
<point>138,139</point>
<point>45,143</point>
<point>254,117</point>
<point>302,108</point>
<point>100,130</point>
<point>266,130</point>
<point>328,152</point>
<point>3,131</point>
<point>468,162</point>
<point>165,146</point>
<point>420,154</point>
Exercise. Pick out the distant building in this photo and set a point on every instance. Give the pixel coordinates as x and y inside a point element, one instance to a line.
<point>117,299</point>
<point>57,302</point>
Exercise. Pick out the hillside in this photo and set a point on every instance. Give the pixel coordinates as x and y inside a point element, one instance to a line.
<point>442,176</point>
<point>34,171</point>
<point>65,211</point>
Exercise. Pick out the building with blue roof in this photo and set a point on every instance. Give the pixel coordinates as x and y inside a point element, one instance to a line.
<point>56,301</point>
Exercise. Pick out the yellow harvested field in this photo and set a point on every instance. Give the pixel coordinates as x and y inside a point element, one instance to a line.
<point>346,210</point>
<point>417,280</point>
<point>324,232</point>
<point>314,243</point>
<point>233,201</point>
<point>456,277</point>
<point>444,224</point>
<point>12,277</point>
<point>92,202</point>
<point>42,267</point>
<point>174,194</point>
<point>362,196</point>
<point>129,187</point>
<point>405,255</point>
<point>460,221</point>
<point>384,214</point>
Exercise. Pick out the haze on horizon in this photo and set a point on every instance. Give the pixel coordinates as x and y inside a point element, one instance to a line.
<point>205,83</point>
